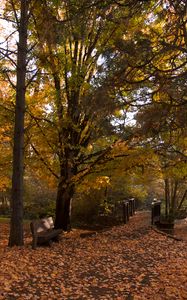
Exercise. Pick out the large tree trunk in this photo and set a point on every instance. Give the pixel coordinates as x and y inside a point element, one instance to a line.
<point>65,192</point>
<point>16,226</point>
<point>66,157</point>
<point>63,207</point>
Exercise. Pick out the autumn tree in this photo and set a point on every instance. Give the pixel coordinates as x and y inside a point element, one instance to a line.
<point>72,54</point>
<point>16,227</point>
<point>95,62</point>
<point>6,123</point>
<point>15,63</point>
<point>154,62</point>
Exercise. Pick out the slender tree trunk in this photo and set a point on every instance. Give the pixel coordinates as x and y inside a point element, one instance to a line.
<point>182,200</point>
<point>173,198</point>
<point>16,226</point>
<point>166,197</point>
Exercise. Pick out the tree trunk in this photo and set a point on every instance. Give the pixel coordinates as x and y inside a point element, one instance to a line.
<point>63,207</point>
<point>167,201</point>
<point>16,225</point>
<point>173,198</point>
<point>182,200</point>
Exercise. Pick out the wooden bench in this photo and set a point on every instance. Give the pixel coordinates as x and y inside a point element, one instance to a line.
<point>43,232</point>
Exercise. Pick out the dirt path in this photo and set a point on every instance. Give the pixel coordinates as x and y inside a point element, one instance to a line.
<point>181,229</point>
<point>126,262</point>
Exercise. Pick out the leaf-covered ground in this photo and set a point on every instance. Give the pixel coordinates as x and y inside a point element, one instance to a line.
<point>126,262</point>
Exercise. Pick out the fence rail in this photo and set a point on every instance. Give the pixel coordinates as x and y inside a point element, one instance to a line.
<point>128,209</point>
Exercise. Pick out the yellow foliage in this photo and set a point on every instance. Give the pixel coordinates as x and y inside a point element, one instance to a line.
<point>5,182</point>
<point>160,96</point>
<point>96,183</point>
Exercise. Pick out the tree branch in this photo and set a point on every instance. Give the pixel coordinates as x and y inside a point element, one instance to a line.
<point>44,161</point>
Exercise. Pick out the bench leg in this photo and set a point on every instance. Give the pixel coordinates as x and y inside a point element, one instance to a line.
<point>34,242</point>
<point>50,243</point>
<point>56,239</point>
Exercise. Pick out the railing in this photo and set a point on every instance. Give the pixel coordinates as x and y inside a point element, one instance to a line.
<point>128,209</point>
<point>155,212</point>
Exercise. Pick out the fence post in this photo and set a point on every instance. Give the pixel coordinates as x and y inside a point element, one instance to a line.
<point>130,208</point>
<point>125,212</point>
<point>134,205</point>
<point>128,211</point>
<point>155,211</point>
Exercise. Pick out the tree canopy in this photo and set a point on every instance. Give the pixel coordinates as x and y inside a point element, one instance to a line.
<point>105,90</point>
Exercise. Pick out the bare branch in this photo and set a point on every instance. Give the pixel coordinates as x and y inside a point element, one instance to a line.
<point>44,161</point>
<point>6,55</point>
<point>15,13</point>
<point>7,38</point>
<point>10,81</point>
<point>32,78</point>
<point>182,200</point>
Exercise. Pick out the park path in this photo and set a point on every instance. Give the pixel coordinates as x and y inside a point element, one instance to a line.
<point>130,262</point>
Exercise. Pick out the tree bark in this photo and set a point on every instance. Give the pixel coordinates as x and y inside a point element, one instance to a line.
<point>167,201</point>
<point>63,207</point>
<point>173,198</point>
<point>182,200</point>
<point>16,225</point>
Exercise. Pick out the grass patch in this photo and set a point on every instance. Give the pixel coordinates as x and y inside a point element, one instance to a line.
<point>4,219</point>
